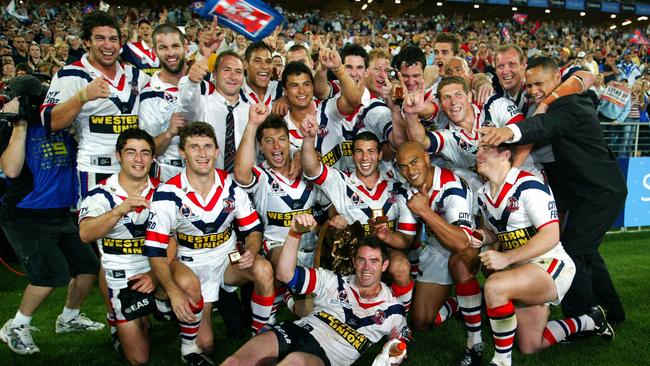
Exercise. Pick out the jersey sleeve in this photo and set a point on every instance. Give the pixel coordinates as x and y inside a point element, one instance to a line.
<point>378,120</point>
<point>161,223</point>
<point>150,115</point>
<point>252,187</point>
<point>457,203</point>
<point>504,112</point>
<point>190,98</point>
<point>406,221</point>
<point>247,218</point>
<point>65,85</point>
<point>312,281</point>
<point>539,204</point>
<point>95,204</point>
<point>331,110</point>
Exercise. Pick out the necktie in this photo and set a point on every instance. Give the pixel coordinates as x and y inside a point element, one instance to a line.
<point>229,149</point>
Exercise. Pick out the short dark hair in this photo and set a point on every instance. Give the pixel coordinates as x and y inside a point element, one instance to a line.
<point>353,49</point>
<point>256,46</point>
<point>365,136</point>
<point>410,55</point>
<point>196,128</point>
<point>166,28</point>
<point>449,38</point>
<point>134,134</point>
<point>374,243</point>
<point>448,80</point>
<point>223,55</point>
<point>295,68</point>
<point>98,19</point>
<point>508,147</point>
<point>547,63</point>
<point>272,121</point>
<point>298,47</point>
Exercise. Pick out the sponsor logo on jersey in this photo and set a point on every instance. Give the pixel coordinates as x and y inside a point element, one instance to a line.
<point>347,148</point>
<point>204,241</point>
<point>515,238</point>
<point>354,338</point>
<point>150,71</point>
<point>284,218</point>
<point>367,228</point>
<point>122,246</point>
<point>332,157</point>
<point>112,124</point>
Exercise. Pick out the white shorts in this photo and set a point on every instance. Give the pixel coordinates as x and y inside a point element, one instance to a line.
<point>434,265</point>
<point>210,274</point>
<point>561,271</point>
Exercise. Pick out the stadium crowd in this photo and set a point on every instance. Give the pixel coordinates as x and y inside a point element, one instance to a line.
<point>446,141</point>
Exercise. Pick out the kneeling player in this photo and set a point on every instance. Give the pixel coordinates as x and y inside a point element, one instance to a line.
<point>115,214</point>
<point>200,205</point>
<point>351,312</point>
<point>532,267</point>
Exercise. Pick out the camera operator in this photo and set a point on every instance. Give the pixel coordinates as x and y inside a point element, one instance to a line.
<point>35,215</point>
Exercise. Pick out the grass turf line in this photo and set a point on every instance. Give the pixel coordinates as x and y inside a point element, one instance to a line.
<point>627,256</point>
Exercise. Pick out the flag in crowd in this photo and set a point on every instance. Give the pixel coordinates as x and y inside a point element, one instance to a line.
<point>505,33</point>
<point>252,18</point>
<point>520,18</point>
<point>639,38</point>
<point>535,27</point>
<point>11,10</point>
<point>89,8</point>
<point>103,6</point>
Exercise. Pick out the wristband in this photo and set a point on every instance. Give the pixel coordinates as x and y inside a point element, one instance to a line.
<point>338,69</point>
<point>294,234</point>
<point>82,96</point>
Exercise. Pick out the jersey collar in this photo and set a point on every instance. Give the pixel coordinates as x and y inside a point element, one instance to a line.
<point>120,76</point>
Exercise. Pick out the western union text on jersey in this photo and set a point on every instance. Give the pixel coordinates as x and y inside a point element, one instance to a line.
<point>515,238</point>
<point>112,124</point>
<point>205,241</point>
<point>284,218</point>
<point>354,338</point>
<point>122,246</point>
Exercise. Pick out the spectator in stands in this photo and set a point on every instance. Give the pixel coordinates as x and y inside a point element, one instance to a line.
<point>34,60</point>
<point>629,71</point>
<point>608,68</point>
<point>20,50</point>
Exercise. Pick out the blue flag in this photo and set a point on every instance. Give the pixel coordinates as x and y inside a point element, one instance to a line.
<point>89,9</point>
<point>252,18</point>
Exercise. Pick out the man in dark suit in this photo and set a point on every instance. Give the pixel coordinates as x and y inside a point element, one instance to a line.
<point>589,182</point>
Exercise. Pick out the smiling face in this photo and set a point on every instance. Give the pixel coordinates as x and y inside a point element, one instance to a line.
<point>414,165</point>
<point>275,147</point>
<point>259,68</point>
<point>490,160</point>
<point>378,69</point>
<point>103,46</point>
<point>135,159</point>
<point>510,70</point>
<point>229,76</point>
<point>144,32</point>
<point>458,67</point>
<point>199,153</point>
<point>413,76</point>
<point>356,67</point>
<point>366,155</point>
<point>299,91</point>
<point>455,102</point>
<point>541,82</point>
<point>368,266</point>
<point>171,52</point>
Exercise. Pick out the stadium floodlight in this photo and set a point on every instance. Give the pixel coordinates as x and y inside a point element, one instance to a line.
<point>514,8</point>
<point>398,1</point>
<point>439,3</point>
<point>613,26</point>
<point>476,6</point>
<point>627,22</point>
<point>613,16</point>
<point>369,1</point>
<point>547,11</point>
<point>582,13</point>
<point>364,6</point>
<point>642,18</point>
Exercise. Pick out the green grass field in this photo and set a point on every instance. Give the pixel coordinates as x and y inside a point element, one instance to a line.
<point>626,254</point>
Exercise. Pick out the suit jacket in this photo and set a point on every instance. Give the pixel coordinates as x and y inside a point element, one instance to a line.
<point>588,172</point>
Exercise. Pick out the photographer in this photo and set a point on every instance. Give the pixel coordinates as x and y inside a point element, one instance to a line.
<point>35,216</point>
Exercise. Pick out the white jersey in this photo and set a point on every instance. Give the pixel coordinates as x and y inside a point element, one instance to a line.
<point>356,203</point>
<point>100,121</point>
<point>140,55</point>
<point>121,248</point>
<point>202,102</point>
<point>330,132</point>
<point>343,323</point>
<point>273,92</point>
<point>450,198</point>
<point>523,205</point>
<point>278,200</point>
<point>203,227</point>
<point>158,101</point>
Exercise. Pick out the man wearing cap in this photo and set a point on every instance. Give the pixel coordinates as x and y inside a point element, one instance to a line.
<point>140,54</point>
